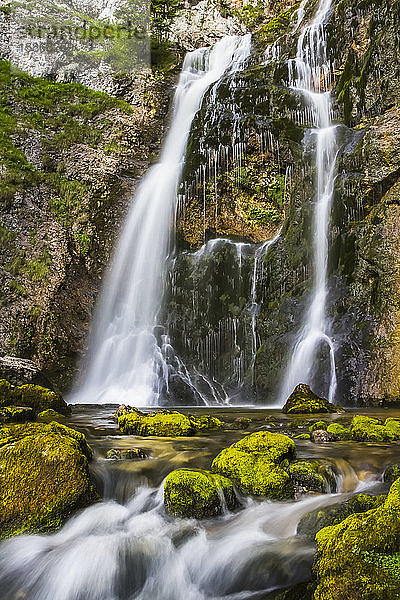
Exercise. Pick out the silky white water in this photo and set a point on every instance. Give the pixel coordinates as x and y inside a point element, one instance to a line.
<point>125,361</point>
<point>309,74</point>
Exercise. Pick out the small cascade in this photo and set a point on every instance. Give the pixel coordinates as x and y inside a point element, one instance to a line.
<point>310,76</point>
<point>125,359</point>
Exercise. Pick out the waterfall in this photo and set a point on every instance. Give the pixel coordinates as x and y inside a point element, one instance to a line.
<point>126,362</point>
<point>309,74</point>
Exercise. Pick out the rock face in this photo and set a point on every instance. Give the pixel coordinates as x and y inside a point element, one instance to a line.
<point>20,371</point>
<point>304,401</point>
<point>256,462</point>
<point>358,558</point>
<point>44,476</point>
<point>198,494</point>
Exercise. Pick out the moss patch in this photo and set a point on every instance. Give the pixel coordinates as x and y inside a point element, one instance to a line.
<point>303,401</point>
<point>256,463</point>
<point>198,494</point>
<point>313,476</point>
<point>44,476</point>
<point>35,396</point>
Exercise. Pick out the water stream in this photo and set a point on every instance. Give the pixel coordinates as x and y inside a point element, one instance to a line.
<point>310,76</point>
<point>125,359</point>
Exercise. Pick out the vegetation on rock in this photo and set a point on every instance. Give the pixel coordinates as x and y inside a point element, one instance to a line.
<point>366,429</point>
<point>198,494</point>
<point>313,476</point>
<point>44,474</point>
<point>303,401</point>
<point>165,423</point>
<point>359,557</point>
<point>34,396</point>
<point>256,463</point>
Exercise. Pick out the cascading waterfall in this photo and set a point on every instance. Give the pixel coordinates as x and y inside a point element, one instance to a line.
<point>309,74</point>
<point>125,359</point>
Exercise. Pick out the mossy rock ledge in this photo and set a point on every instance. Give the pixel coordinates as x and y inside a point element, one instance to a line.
<point>256,464</point>
<point>198,494</point>
<point>36,397</point>
<point>44,476</point>
<point>303,401</point>
<point>366,429</point>
<point>359,558</point>
<point>165,423</point>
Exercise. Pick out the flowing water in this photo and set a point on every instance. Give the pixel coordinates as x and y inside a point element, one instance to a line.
<point>309,75</point>
<point>127,548</point>
<point>125,359</point>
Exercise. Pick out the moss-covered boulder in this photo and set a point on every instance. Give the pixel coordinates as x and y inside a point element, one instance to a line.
<point>318,426</point>
<point>366,429</point>
<point>163,424</point>
<point>198,494</point>
<point>166,423</point>
<point>256,463</point>
<point>44,476</point>
<point>317,519</point>
<point>36,397</point>
<point>303,401</point>
<point>16,414</point>
<point>339,431</point>
<point>303,436</point>
<point>391,473</point>
<point>49,415</point>
<point>359,558</point>
<point>313,476</point>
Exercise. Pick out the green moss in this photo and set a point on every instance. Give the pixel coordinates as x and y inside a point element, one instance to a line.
<point>392,472</point>
<point>340,432</point>
<point>44,474</point>
<point>318,425</point>
<point>197,494</point>
<point>16,414</point>
<point>35,396</point>
<point>46,416</point>
<point>164,424</point>
<point>277,26</point>
<point>315,520</point>
<point>303,401</point>
<point>366,429</point>
<point>313,476</point>
<point>303,436</point>
<point>358,558</point>
<point>255,464</point>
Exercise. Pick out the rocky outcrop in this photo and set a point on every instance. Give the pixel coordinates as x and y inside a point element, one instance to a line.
<point>303,401</point>
<point>44,477</point>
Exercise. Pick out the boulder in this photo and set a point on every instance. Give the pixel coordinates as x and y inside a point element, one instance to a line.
<point>320,436</point>
<point>391,473</point>
<point>49,415</point>
<point>256,463</point>
<point>131,454</point>
<point>359,557</point>
<point>44,476</point>
<point>198,494</point>
<point>20,371</point>
<point>339,432</point>
<point>36,397</point>
<point>366,429</point>
<point>318,425</point>
<point>315,520</point>
<point>313,476</point>
<point>16,414</point>
<point>303,401</point>
<point>166,423</point>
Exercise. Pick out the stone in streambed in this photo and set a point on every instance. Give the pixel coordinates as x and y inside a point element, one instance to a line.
<point>131,454</point>
<point>313,476</point>
<point>317,519</point>
<point>367,429</point>
<point>49,415</point>
<point>303,401</point>
<point>318,425</point>
<point>166,423</point>
<point>320,436</point>
<point>16,414</point>
<point>44,476</point>
<point>198,494</point>
<point>36,397</point>
<point>359,558</point>
<point>339,432</point>
<point>256,464</point>
<point>391,473</point>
